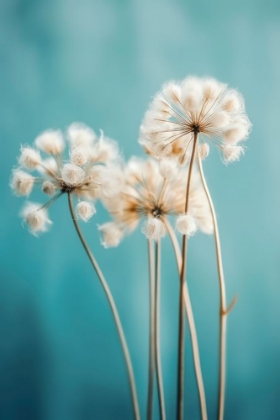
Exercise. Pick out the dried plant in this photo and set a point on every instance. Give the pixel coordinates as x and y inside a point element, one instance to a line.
<point>166,189</point>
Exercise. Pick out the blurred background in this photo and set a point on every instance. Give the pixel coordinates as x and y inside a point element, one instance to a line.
<point>100,62</point>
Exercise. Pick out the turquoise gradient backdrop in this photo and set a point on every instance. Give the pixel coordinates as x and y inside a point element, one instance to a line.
<point>100,62</point>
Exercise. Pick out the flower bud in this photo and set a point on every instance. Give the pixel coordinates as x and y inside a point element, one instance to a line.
<point>48,187</point>
<point>50,141</point>
<point>111,234</point>
<point>186,225</point>
<point>153,228</point>
<point>79,156</point>
<point>80,135</point>
<point>36,217</point>
<point>72,174</point>
<point>85,210</point>
<point>29,158</point>
<point>22,182</point>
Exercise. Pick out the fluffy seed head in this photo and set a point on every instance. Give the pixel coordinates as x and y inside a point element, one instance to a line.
<point>48,187</point>
<point>232,153</point>
<point>22,182</point>
<point>51,142</point>
<point>85,210</point>
<point>72,174</point>
<point>36,217</point>
<point>79,156</point>
<point>80,135</point>
<point>111,234</point>
<point>186,225</point>
<point>153,228</point>
<point>203,150</point>
<point>105,150</point>
<point>29,158</point>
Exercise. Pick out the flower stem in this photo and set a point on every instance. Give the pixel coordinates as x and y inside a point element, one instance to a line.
<point>180,372</point>
<point>223,306</point>
<point>191,322</point>
<point>152,332</point>
<point>157,333</point>
<point>113,309</point>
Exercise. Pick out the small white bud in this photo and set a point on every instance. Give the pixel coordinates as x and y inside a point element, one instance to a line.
<point>36,217</point>
<point>79,156</point>
<point>85,210</point>
<point>203,150</point>
<point>218,119</point>
<point>80,135</point>
<point>22,182</point>
<point>29,158</point>
<point>72,174</point>
<point>48,187</point>
<point>50,141</point>
<point>186,225</point>
<point>153,228</point>
<point>232,153</point>
<point>168,168</point>
<point>111,234</point>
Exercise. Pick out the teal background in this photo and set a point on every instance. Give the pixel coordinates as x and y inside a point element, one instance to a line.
<point>100,62</point>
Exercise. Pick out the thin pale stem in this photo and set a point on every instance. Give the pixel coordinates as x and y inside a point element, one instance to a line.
<point>223,305</point>
<point>157,334</point>
<point>191,322</point>
<point>181,352</point>
<point>113,309</point>
<point>152,332</point>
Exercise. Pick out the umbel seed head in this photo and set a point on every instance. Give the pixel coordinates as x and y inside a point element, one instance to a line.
<point>72,174</point>
<point>85,210</point>
<point>186,225</point>
<point>153,228</point>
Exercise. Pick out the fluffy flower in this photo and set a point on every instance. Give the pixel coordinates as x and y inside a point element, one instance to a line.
<point>36,217</point>
<point>111,234</point>
<point>22,182</point>
<point>29,158</point>
<point>186,225</point>
<point>148,195</point>
<point>202,107</point>
<point>83,176</point>
<point>85,210</point>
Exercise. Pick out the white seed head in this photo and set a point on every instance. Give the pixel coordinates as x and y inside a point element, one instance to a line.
<point>51,142</point>
<point>48,187</point>
<point>232,153</point>
<point>80,135</point>
<point>238,132</point>
<point>153,228</point>
<point>97,174</point>
<point>168,168</point>
<point>186,225</point>
<point>29,158</point>
<point>79,155</point>
<point>203,150</point>
<point>191,96</point>
<point>22,182</point>
<point>212,89</point>
<point>232,101</point>
<point>111,234</point>
<point>36,217</point>
<point>219,119</point>
<point>172,91</point>
<point>72,174</point>
<point>85,210</point>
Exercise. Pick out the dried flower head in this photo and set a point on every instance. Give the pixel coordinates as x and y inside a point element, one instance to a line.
<point>202,107</point>
<point>36,217</point>
<point>147,195</point>
<point>88,175</point>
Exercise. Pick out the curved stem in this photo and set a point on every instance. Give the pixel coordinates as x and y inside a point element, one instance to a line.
<point>191,322</point>
<point>181,352</point>
<point>223,305</point>
<point>152,332</point>
<point>157,333</point>
<point>114,311</point>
